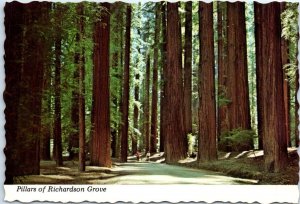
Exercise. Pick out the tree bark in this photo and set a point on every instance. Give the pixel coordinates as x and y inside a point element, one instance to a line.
<point>163,74</point>
<point>46,110</point>
<point>286,86</point>
<point>175,147</point>
<point>207,149</point>
<point>188,68</point>
<point>223,120</point>
<point>237,64</point>
<point>154,138</point>
<point>125,104</point>
<point>25,51</point>
<point>101,134</point>
<point>74,134</point>
<point>270,85</point>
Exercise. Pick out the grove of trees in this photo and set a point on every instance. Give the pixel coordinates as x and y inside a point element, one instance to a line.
<point>95,82</point>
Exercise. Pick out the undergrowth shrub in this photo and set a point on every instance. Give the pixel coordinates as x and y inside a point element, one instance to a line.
<point>237,140</point>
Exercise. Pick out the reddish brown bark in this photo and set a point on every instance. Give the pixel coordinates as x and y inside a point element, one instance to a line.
<point>125,100</point>
<point>239,107</point>
<point>270,85</point>
<point>175,147</point>
<point>207,149</point>
<point>223,121</point>
<point>286,86</point>
<point>188,68</point>
<point>101,122</point>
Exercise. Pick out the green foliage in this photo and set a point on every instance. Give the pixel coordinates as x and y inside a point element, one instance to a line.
<point>222,99</point>
<point>289,23</point>
<point>237,139</point>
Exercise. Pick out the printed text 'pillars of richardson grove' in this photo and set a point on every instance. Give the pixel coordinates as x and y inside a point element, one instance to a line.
<point>54,189</point>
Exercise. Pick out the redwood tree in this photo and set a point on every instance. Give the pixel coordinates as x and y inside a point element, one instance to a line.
<point>125,95</point>
<point>223,121</point>
<point>207,149</point>
<point>57,90</point>
<point>270,85</point>
<point>153,145</point>
<point>163,73</point>
<point>234,113</point>
<point>147,105</point>
<point>188,68</point>
<point>286,86</point>
<point>24,83</point>
<point>239,107</point>
<point>101,112</point>
<point>175,147</point>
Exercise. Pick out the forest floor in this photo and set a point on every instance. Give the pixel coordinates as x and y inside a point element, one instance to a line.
<point>231,168</point>
<point>250,165</point>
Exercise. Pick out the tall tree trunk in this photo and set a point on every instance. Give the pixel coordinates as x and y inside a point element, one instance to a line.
<point>74,134</point>
<point>237,54</point>
<point>25,51</point>
<point>153,145</point>
<point>46,111</point>
<point>286,86</point>
<point>223,120</point>
<point>185,140</point>
<point>188,68</point>
<point>147,105</point>
<point>175,147</point>
<point>14,21</point>
<point>101,133</point>
<point>233,78</point>
<point>57,102</point>
<point>125,104</point>
<point>259,62</point>
<point>163,74</point>
<point>207,149</point>
<point>270,85</point>
<point>24,54</point>
<point>81,68</point>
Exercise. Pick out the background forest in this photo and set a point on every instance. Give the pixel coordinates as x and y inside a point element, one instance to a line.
<point>98,82</point>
